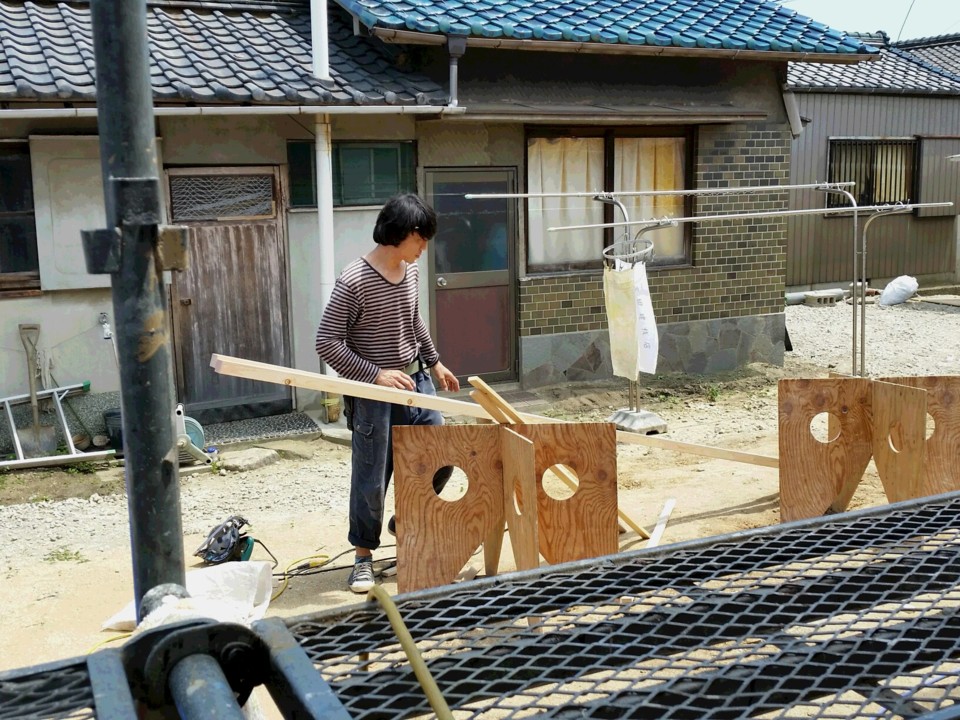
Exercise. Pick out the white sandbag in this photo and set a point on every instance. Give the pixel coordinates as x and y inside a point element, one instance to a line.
<point>899,290</point>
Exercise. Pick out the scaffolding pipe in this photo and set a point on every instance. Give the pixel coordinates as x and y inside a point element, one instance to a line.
<point>131,188</point>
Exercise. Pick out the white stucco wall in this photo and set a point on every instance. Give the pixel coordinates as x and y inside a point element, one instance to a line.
<point>71,338</point>
<point>71,341</point>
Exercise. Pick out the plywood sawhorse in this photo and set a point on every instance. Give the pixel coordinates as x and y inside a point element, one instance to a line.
<point>882,419</point>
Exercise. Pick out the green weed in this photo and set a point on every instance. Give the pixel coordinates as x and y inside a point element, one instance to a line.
<point>64,555</point>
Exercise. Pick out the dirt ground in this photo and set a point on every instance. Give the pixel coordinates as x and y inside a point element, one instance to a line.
<point>54,608</point>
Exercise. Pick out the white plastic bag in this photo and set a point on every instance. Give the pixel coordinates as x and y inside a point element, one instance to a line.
<point>634,343</point>
<point>230,592</point>
<point>899,290</point>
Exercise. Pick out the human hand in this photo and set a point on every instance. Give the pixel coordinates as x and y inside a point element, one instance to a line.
<point>395,379</point>
<point>445,379</point>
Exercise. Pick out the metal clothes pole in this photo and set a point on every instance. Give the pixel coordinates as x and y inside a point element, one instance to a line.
<point>890,210</point>
<point>746,189</point>
<point>855,288</point>
<point>132,198</point>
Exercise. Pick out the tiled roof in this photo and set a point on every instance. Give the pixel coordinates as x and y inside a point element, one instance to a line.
<point>943,51</point>
<point>206,52</point>
<point>748,25</point>
<point>898,71</point>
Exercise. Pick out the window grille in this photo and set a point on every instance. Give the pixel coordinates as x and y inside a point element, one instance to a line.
<point>884,170</point>
<point>364,173</point>
<point>221,197</point>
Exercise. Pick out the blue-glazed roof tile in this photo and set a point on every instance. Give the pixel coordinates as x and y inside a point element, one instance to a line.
<point>245,51</point>
<point>758,24</point>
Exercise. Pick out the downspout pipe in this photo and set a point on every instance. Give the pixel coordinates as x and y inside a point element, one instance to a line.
<point>456,47</point>
<point>320,39</point>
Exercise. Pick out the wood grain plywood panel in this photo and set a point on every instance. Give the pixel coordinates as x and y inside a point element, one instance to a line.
<point>941,466</point>
<point>899,430</point>
<point>583,525</point>
<point>520,498</point>
<point>819,476</point>
<point>436,537</point>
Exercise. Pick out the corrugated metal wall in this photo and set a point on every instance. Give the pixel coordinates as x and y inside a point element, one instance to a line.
<point>819,248</point>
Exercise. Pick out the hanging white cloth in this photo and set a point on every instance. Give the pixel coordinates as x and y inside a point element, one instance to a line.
<point>634,342</point>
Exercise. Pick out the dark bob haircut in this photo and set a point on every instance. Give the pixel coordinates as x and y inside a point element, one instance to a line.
<point>402,215</point>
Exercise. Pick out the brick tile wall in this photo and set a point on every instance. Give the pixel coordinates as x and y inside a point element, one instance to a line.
<point>739,266</point>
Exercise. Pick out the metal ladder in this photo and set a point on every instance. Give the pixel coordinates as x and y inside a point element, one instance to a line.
<point>57,395</point>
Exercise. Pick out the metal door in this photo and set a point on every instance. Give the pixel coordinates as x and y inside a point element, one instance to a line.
<point>472,271</point>
<point>232,299</point>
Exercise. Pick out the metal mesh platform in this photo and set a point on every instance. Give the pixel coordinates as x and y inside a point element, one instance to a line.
<point>850,616</point>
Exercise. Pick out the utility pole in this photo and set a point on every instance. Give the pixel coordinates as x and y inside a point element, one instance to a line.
<point>135,250</point>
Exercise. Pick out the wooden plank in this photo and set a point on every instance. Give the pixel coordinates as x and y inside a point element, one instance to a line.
<point>324,383</point>
<point>520,497</point>
<point>899,434</point>
<point>490,405</point>
<point>941,467</point>
<point>436,537</point>
<point>584,525</point>
<point>817,477</point>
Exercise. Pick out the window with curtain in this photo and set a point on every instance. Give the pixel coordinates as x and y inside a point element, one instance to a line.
<point>19,264</point>
<point>883,170</point>
<point>607,162</point>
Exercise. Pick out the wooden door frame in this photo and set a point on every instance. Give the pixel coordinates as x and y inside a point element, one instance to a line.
<point>280,214</point>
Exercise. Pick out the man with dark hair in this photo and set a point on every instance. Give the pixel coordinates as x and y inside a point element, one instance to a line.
<point>372,331</point>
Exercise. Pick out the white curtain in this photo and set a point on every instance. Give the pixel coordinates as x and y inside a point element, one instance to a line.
<point>652,164</point>
<point>891,174</point>
<point>564,165</point>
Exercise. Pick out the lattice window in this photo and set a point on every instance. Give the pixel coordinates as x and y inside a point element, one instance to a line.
<point>221,197</point>
<point>885,170</point>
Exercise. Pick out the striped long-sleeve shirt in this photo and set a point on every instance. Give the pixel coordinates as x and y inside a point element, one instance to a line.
<point>372,324</point>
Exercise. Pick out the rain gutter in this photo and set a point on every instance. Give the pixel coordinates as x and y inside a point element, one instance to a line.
<point>213,110</point>
<point>407,37</point>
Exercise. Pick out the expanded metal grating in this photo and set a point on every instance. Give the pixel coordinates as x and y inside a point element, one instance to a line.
<point>57,690</point>
<point>845,617</point>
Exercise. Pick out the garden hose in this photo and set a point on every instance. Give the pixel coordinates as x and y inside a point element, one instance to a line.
<point>429,685</point>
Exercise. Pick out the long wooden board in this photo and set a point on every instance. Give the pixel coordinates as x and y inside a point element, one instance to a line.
<point>253,370</point>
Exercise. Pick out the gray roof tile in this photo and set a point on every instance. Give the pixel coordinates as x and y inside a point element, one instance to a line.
<point>900,70</point>
<point>942,51</point>
<point>241,51</point>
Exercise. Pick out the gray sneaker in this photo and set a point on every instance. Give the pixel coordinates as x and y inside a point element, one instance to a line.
<point>361,577</point>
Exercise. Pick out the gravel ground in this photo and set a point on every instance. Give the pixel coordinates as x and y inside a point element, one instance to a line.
<point>909,339</point>
<point>913,338</point>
